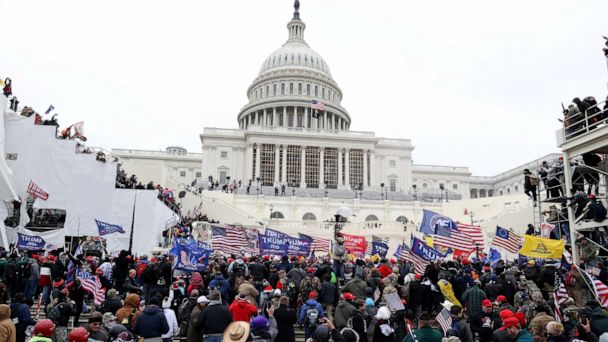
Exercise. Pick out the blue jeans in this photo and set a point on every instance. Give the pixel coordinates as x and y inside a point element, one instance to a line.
<point>339,269</point>
<point>213,339</point>
<point>46,294</point>
<point>30,288</point>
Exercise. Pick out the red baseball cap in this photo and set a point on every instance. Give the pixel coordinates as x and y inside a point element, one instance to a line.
<point>348,296</point>
<point>510,322</point>
<point>312,295</point>
<point>521,317</point>
<point>501,298</point>
<point>486,303</point>
<point>506,314</point>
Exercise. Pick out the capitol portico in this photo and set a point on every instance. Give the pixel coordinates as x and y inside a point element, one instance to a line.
<point>282,140</point>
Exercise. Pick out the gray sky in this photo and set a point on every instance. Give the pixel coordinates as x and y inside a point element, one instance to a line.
<point>472,83</point>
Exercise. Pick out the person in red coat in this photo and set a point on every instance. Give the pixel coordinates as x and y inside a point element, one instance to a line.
<point>384,269</point>
<point>241,309</point>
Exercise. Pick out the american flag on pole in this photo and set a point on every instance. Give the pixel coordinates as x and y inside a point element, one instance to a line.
<point>91,284</point>
<point>507,239</point>
<point>561,294</point>
<point>474,232</point>
<point>228,240</point>
<point>600,289</point>
<point>448,237</point>
<point>318,244</point>
<point>445,320</point>
<point>317,105</point>
<point>404,252</point>
<point>37,191</point>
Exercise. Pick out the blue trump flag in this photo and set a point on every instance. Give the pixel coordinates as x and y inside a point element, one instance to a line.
<point>379,248</point>
<point>277,243</point>
<point>431,219</point>
<point>108,228</point>
<point>191,256</point>
<point>30,242</point>
<point>424,251</point>
<point>494,256</point>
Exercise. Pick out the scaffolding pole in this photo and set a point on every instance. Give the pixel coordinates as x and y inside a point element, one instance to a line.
<point>568,181</point>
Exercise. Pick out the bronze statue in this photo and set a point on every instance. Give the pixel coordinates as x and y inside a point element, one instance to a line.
<point>296,6</point>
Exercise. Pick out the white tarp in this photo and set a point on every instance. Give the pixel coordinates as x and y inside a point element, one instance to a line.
<point>7,188</point>
<point>82,186</point>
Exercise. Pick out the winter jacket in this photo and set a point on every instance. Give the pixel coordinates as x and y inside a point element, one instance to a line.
<point>151,323</point>
<point>221,285</point>
<point>131,306</point>
<point>286,317</point>
<point>599,321</point>
<point>111,305</point>
<point>8,332</point>
<point>327,295</point>
<point>310,304</point>
<point>22,313</point>
<point>247,288</point>
<point>242,310</point>
<point>266,335</point>
<point>172,322</point>
<point>344,311</point>
<point>194,331</point>
<point>296,275</point>
<point>357,287</point>
<point>214,319</point>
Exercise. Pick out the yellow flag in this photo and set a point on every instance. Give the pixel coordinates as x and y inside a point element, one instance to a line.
<point>429,240</point>
<point>541,248</point>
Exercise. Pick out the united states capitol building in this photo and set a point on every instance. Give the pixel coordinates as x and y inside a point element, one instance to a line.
<point>281,141</point>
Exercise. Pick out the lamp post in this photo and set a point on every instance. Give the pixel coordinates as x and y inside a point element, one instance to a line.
<point>325,189</point>
<point>271,207</point>
<point>415,192</point>
<point>441,187</point>
<point>382,190</point>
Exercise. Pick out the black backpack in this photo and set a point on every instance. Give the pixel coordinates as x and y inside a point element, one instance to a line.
<point>55,313</point>
<point>25,270</point>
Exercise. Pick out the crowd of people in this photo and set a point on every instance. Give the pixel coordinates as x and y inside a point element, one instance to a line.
<point>124,181</point>
<point>265,298</point>
<point>583,115</point>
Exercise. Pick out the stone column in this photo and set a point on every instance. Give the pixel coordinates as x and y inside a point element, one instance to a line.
<point>275,117</point>
<point>285,116</point>
<point>372,171</point>
<point>248,163</point>
<point>305,119</point>
<point>284,166</point>
<point>258,159</point>
<point>264,118</point>
<point>303,167</point>
<point>321,168</point>
<point>364,169</point>
<point>340,183</point>
<point>347,169</point>
<point>277,167</point>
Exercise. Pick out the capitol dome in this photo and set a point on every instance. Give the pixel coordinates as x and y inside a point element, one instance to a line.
<point>294,88</point>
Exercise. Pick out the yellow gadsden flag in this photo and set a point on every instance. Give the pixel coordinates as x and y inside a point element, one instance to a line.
<point>541,248</point>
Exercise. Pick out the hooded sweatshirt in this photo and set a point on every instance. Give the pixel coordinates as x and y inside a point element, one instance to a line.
<point>7,328</point>
<point>151,323</point>
<point>242,310</point>
<point>196,282</point>
<point>131,306</point>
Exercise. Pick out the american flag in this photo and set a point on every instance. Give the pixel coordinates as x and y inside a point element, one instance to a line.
<point>404,252</point>
<point>600,289</point>
<point>445,320</point>
<point>507,240</point>
<point>448,237</point>
<point>318,244</point>
<point>317,105</point>
<point>474,232</point>
<point>561,293</point>
<point>91,284</point>
<point>228,240</point>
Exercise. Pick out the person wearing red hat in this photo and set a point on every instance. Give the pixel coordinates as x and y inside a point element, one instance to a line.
<point>515,331</point>
<point>344,310</point>
<point>488,322</point>
<point>310,313</point>
<point>79,334</point>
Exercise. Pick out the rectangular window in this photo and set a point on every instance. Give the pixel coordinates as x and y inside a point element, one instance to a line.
<point>199,174</point>
<point>267,164</point>
<point>182,173</point>
<point>356,169</point>
<point>224,155</point>
<point>392,185</point>
<point>222,177</point>
<point>454,186</point>
<point>330,168</point>
<point>312,167</point>
<point>294,159</point>
<point>391,163</point>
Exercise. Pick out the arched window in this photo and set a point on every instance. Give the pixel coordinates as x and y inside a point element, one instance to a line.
<point>424,185</point>
<point>299,88</point>
<point>402,219</point>
<point>277,215</point>
<point>371,217</point>
<point>282,88</point>
<point>267,90</point>
<point>309,217</point>
<point>306,58</point>
<point>308,89</point>
<point>274,89</point>
<point>256,94</point>
<point>316,91</point>
<point>291,88</point>
<point>323,93</point>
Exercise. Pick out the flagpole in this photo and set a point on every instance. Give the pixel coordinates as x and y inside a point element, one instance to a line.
<point>132,224</point>
<point>592,288</point>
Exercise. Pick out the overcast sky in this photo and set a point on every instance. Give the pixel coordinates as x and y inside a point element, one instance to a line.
<point>472,83</point>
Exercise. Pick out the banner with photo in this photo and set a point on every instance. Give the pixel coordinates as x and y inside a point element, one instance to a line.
<point>277,243</point>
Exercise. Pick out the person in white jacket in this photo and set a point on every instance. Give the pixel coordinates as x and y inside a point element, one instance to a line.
<point>171,320</point>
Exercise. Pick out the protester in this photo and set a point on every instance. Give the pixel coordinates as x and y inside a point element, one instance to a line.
<point>152,324</point>
<point>8,331</point>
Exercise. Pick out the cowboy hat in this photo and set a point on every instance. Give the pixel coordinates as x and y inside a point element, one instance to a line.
<point>236,332</point>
